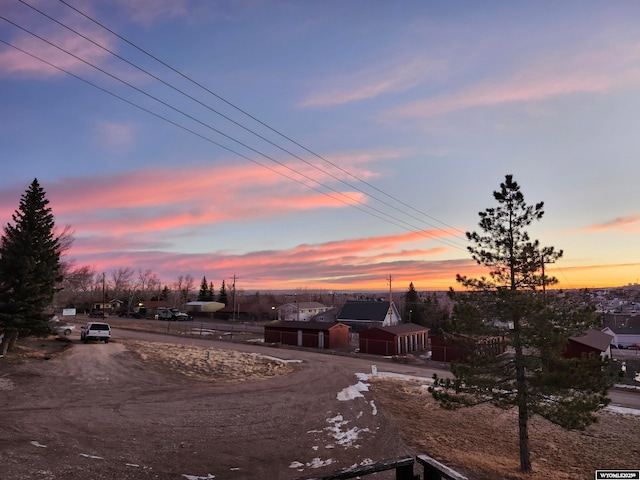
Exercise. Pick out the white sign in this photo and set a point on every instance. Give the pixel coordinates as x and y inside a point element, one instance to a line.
<point>68,312</point>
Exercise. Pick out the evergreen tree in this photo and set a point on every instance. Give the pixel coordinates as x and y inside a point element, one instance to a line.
<point>165,293</point>
<point>412,306</point>
<point>222,297</point>
<point>211,294</point>
<point>30,267</point>
<point>205,294</point>
<point>529,371</point>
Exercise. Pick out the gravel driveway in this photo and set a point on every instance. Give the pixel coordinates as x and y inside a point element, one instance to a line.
<point>98,412</point>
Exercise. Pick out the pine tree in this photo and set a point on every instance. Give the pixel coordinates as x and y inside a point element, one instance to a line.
<point>30,267</point>
<point>412,306</point>
<point>528,371</point>
<point>222,297</point>
<point>204,295</point>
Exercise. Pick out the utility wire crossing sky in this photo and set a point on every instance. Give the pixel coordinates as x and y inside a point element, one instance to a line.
<point>323,145</point>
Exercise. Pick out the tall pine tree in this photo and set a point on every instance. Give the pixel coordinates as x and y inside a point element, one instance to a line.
<point>205,294</point>
<point>29,267</point>
<point>530,373</point>
<point>222,297</point>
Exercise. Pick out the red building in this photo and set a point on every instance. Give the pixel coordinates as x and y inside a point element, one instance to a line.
<point>457,347</point>
<point>394,340</point>
<point>593,342</point>
<point>308,334</point>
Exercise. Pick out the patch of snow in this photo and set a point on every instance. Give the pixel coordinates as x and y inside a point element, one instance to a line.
<point>197,477</point>
<point>36,444</point>
<point>296,464</point>
<point>347,437</point>
<point>363,463</point>
<point>623,410</point>
<point>91,456</point>
<point>353,391</point>
<point>281,360</point>
<point>319,463</point>
<point>374,409</point>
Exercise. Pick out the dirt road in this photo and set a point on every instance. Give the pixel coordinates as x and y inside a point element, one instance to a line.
<point>99,412</point>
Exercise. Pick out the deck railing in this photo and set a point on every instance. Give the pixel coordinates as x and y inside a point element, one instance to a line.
<point>431,470</point>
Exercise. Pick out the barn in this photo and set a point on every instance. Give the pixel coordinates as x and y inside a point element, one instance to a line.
<point>593,342</point>
<point>394,340</point>
<point>324,335</point>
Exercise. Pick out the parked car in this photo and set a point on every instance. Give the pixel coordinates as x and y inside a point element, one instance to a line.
<point>95,331</point>
<point>63,328</point>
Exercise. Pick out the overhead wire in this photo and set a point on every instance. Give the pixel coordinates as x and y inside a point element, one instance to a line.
<point>161,117</point>
<point>254,118</point>
<point>350,201</point>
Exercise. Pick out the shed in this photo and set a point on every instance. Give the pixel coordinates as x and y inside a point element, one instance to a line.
<point>323,335</point>
<point>394,340</point>
<point>593,342</point>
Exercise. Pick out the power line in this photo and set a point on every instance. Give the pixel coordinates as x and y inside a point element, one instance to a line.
<point>350,199</point>
<point>412,228</point>
<point>186,77</point>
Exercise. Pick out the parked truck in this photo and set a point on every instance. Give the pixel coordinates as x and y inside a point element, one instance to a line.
<point>95,331</point>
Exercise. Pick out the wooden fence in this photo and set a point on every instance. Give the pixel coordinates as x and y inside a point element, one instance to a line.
<point>403,466</point>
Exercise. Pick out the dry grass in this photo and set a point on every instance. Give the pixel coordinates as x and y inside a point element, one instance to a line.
<point>209,364</point>
<point>482,441</point>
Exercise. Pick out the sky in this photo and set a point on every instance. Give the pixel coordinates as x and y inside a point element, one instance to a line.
<point>323,145</point>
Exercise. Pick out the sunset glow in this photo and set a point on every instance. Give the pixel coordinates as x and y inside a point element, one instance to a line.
<point>371,144</point>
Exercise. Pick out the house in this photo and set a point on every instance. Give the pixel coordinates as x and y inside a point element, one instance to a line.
<point>593,342</point>
<point>397,339</point>
<point>623,337</point>
<point>108,307</point>
<point>300,311</point>
<point>361,314</point>
<point>330,315</point>
<point>322,335</point>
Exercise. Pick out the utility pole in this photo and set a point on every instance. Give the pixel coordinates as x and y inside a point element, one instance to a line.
<point>390,303</point>
<point>103,296</point>
<point>233,294</point>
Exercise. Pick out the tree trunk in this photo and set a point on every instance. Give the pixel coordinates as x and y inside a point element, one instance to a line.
<point>523,411</point>
<point>8,341</point>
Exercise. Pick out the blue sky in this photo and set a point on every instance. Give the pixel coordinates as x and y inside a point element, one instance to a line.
<point>408,118</point>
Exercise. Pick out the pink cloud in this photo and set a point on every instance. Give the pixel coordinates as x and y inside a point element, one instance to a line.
<point>395,76</point>
<point>14,62</point>
<point>313,266</point>
<point>591,72</point>
<point>621,223</point>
